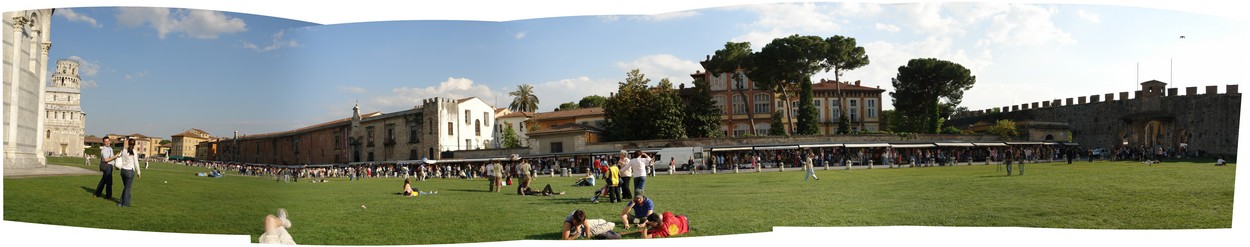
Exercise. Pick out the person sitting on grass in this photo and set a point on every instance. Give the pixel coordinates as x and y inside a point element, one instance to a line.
<point>527,191</point>
<point>589,180</point>
<point>665,225</point>
<point>642,207</point>
<point>576,225</point>
<point>1220,161</point>
<point>275,229</point>
<point>411,191</point>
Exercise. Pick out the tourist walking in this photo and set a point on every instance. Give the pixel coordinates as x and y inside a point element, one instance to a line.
<point>524,175</point>
<point>807,165</point>
<point>627,174</point>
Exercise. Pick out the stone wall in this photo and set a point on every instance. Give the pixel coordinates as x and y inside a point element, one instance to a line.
<point>1207,122</point>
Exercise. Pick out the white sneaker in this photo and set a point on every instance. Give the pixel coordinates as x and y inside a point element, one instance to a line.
<point>282,216</point>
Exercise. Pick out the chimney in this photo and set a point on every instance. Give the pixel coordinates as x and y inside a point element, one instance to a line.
<point>857,82</point>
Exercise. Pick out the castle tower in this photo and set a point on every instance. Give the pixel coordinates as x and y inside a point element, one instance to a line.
<point>1152,89</point>
<point>64,121</point>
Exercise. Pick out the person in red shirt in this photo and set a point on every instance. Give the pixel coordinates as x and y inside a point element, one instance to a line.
<point>665,225</point>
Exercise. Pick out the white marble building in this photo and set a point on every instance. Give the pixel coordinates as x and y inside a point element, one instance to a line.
<point>64,121</point>
<point>27,38</point>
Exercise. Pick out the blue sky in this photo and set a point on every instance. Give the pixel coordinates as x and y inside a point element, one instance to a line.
<point>158,71</point>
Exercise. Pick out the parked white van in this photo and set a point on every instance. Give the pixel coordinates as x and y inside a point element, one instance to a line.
<point>680,155</point>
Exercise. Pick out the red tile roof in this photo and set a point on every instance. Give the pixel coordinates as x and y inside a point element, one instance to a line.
<point>832,85</point>
<point>583,112</point>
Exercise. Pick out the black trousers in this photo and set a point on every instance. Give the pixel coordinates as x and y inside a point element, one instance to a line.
<point>106,184</point>
<point>626,191</point>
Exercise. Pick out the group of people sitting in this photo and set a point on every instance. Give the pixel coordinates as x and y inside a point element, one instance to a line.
<point>649,223</point>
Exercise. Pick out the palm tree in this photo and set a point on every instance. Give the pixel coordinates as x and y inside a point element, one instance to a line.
<point>523,99</point>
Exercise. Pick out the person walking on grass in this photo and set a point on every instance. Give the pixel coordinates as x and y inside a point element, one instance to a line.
<point>523,173</point>
<point>627,175</point>
<point>811,170</point>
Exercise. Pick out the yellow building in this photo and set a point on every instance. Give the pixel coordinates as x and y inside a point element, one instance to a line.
<point>183,144</point>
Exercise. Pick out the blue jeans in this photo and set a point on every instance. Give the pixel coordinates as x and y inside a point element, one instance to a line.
<point>128,178</point>
<point>639,184</point>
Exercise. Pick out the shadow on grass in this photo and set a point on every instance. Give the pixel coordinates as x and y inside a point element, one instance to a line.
<point>567,200</point>
<point>544,236</point>
<point>91,192</point>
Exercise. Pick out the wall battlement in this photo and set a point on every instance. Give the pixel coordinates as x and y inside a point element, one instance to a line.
<point>1094,99</point>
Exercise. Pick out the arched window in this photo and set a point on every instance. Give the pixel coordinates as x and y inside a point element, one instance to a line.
<point>477,127</point>
<point>49,134</point>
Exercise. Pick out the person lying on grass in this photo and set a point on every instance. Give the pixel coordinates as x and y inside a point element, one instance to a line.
<point>665,225</point>
<point>410,191</point>
<point>527,191</point>
<point>576,226</point>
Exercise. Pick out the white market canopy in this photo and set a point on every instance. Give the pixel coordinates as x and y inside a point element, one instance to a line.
<point>826,145</point>
<point>954,144</point>
<point>989,144</point>
<point>912,145</point>
<point>867,145</point>
<point>776,147</point>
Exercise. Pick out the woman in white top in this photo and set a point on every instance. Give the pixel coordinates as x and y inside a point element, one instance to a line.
<point>129,164</point>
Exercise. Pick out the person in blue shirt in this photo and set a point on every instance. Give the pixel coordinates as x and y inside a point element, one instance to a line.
<point>642,207</point>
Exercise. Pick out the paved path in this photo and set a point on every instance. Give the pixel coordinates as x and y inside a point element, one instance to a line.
<point>49,170</point>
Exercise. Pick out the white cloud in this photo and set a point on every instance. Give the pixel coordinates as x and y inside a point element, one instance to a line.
<point>657,17</point>
<point>927,18</point>
<point>661,66</point>
<point>278,43</point>
<point>886,27</point>
<point>353,90</point>
<point>89,84</point>
<point>86,68</point>
<point>887,57</point>
<point>519,35</point>
<point>72,16</point>
<point>199,24</point>
<point>553,93</point>
<point>798,17</point>
<point>136,75</point>
<point>1089,16</point>
<point>1025,25</point>
<point>454,88</point>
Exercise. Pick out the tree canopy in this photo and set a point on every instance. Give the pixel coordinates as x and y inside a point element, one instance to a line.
<point>567,106</point>
<point>638,112</point>
<point>735,56</point>
<point>592,101</point>
<point>523,99</point>
<point>702,118</point>
<point>927,90</point>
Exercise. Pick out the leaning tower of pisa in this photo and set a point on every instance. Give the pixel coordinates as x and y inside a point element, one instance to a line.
<point>65,121</point>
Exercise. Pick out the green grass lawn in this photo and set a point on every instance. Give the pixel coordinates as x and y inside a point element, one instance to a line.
<point>1099,195</point>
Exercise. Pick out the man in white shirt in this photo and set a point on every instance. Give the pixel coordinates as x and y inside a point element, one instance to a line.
<point>638,170</point>
<point>107,162</point>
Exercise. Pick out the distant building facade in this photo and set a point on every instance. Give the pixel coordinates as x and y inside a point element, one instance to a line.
<point>566,131</point>
<point>518,122</point>
<point>428,130</point>
<point>183,144</point>
<point>27,39</point>
<point>862,104</point>
<point>64,121</point>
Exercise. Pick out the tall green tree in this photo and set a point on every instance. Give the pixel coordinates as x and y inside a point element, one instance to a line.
<point>523,99</point>
<point>844,124</point>
<point>666,112</point>
<point>592,101</point>
<point>702,119</point>
<point>567,106</point>
<point>808,121</point>
<point>786,62</point>
<point>625,111</point>
<point>510,139</point>
<point>777,128</point>
<point>734,57</point>
<point>841,54</point>
<point>923,88</point>
<point>888,117</point>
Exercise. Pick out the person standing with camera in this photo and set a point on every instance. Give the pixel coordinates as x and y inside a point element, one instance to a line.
<point>129,165</point>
